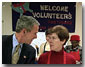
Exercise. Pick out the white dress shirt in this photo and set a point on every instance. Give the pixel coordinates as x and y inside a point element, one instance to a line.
<point>15,43</point>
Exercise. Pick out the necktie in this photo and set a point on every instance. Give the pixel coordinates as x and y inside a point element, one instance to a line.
<point>15,56</point>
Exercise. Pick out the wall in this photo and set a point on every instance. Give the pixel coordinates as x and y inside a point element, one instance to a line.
<point>7,23</point>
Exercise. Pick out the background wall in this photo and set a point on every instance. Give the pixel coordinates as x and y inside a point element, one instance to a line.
<point>7,23</point>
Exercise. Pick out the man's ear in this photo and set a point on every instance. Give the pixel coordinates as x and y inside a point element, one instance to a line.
<point>24,31</point>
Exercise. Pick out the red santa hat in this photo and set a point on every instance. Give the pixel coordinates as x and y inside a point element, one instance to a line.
<point>75,37</point>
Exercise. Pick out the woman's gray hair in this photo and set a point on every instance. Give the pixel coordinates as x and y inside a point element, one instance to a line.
<point>26,22</point>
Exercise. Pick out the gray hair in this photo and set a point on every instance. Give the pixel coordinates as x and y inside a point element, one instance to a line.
<point>26,22</point>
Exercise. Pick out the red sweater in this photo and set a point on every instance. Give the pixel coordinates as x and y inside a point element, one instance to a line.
<point>56,58</point>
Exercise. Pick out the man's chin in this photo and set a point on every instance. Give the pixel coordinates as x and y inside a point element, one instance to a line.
<point>28,43</point>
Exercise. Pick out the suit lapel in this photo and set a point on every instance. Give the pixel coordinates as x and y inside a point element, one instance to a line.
<point>23,55</point>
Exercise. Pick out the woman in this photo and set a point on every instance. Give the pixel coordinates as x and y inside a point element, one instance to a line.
<point>45,47</point>
<point>57,39</point>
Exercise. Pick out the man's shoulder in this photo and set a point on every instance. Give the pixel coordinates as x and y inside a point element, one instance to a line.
<point>29,47</point>
<point>6,37</point>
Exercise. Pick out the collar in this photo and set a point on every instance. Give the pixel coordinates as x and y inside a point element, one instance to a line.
<point>15,41</point>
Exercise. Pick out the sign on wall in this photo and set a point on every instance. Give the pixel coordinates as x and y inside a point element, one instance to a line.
<point>48,14</point>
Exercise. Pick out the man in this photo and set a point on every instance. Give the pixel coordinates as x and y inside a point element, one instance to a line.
<point>26,30</point>
<point>75,49</point>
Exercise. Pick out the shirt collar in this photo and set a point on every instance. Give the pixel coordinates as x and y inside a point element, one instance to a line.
<point>15,41</point>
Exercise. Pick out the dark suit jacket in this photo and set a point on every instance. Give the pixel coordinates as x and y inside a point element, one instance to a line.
<point>27,55</point>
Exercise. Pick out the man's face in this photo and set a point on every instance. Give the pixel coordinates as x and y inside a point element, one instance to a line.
<point>29,36</point>
<point>55,43</point>
<point>75,43</point>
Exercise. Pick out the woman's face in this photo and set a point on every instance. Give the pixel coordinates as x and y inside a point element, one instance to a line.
<point>55,43</point>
